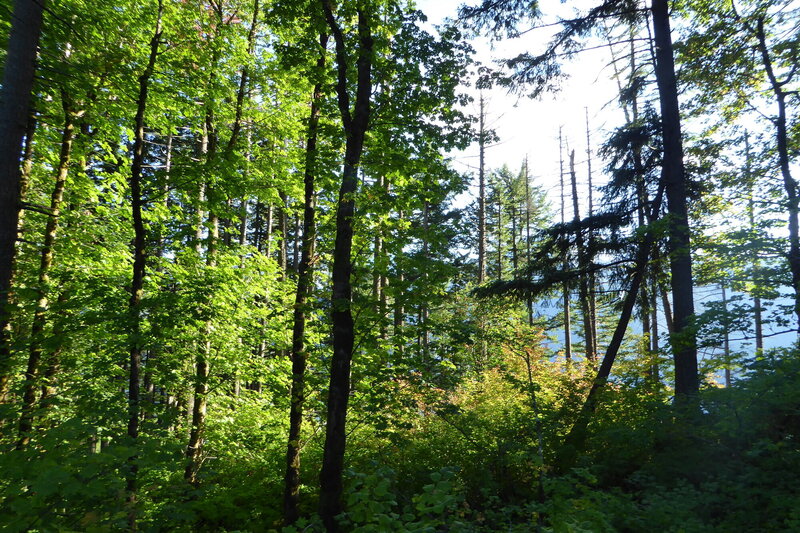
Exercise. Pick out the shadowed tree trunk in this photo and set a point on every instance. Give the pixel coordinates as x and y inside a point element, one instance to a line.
<point>137,281</point>
<point>15,98</point>
<point>684,342</point>
<point>45,263</point>
<point>305,281</point>
<point>355,125</point>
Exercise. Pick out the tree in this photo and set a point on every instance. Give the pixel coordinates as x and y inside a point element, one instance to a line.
<point>18,78</point>
<point>354,123</point>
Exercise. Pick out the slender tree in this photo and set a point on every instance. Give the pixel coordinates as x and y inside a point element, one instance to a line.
<point>45,264</point>
<point>305,278</point>
<point>139,265</point>
<point>355,122</point>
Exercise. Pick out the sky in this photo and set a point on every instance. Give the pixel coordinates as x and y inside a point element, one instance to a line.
<point>530,128</point>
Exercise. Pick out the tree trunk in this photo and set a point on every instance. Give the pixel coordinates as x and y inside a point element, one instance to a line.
<point>15,98</point>
<point>355,126</point>
<point>591,252</point>
<point>565,288</point>
<point>399,311</point>
<point>305,282</point>
<point>529,296</point>
<point>789,183</point>
<point>726,342</point>
<point>139,265</point>
<point>45,263</point>
<point>194,448</point>
<point>684,342</point>
<point>482,193</point>
<point>756,266</point>
<point>499,233</point>
<point>583,266</point>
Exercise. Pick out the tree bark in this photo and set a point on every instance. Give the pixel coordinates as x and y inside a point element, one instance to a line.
<point>529,296</point>
<point>139,265</point>
<point>305,282</point>
<point>45,263</point>
<point>684,342</point>
<point>583,266</point>
<point>565,288</point>
<point>355,126</point>
<point>482,193</point>
<point>15,99</point>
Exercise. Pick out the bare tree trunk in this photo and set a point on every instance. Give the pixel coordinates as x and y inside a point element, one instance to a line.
<point>15,98</point>
<point>583,265</point>
<point>139,265</point>
<point>355,125</point>
<point>499,232</point>
<point>565,288</point>
<point>482,193</point>
<point>592,281</point>
<point>45,263</point>
<point>305,283</point>
<point>756,266</point>
<point>528,207</point>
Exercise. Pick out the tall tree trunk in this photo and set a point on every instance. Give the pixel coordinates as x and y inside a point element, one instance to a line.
<point>15,99</point>
<point>355,126</point>
<point>423,314</point>
<point>399,310</point>
<point>583,266</point>
<point>139,265</point>
<point>528,207</point>
<point>591,252</point>
<point>565,288</point>
<point>305,282</point>
<point>499,232</point>
<point>756,266</point>
<point>482,192</point>
<point>514,256</point>
<point>45,263</point>
<point>789,183</point>
<point>684,341</point>
<point>194,448</point>
<point>726,341</point>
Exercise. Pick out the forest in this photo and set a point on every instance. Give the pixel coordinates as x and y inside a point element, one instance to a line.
<point>245,287</point>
